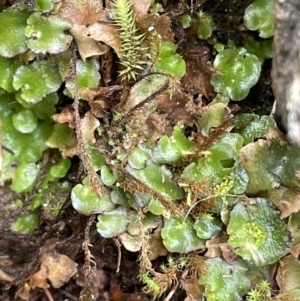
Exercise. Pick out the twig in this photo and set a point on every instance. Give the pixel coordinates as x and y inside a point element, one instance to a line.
<point>48,294</point>
<point>117,243</point>
<point>174,289</point>
<point>84,156</point>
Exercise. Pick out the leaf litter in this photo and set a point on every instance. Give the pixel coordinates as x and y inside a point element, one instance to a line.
<point>151,112</point>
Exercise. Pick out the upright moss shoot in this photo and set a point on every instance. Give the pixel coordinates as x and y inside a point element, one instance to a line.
<point>130,40</point>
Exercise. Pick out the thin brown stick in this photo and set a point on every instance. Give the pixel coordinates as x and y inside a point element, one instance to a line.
<point>118,245</point>
<point>48,294</point>
<point>84,156</point>
<point>174,289</point>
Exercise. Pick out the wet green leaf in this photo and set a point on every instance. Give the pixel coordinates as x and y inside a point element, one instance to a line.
<point>214,114</point>
<point>273,176</point>
<point>47,33</point>
<point>8,67</point>
<point>26,175</point>
<point>45,109</point>
<point>251,126</point>
<point>60,169</point>
<point>107,176</point>
<point>294,227</point>
<point>95,156</point>
<point>257,233</point>
<point>263,49</point>
<point>186,21</point>
<point>139,156</point>
<point>259,16</point>
<point>87,202</point>
<point>225,281</point>
<point>156,207</point>
<point>24,121</point>
<point>179,236</point>
<point>112,223</point>
<point>12,37</point>
<point>172,149</point>
<point>44,5</point>
<point>36,80</point>
<point>207,226</point>
<point>169,61</point>
<point>144,89</point>
<point>120,197</point>
<point>141,199</point>
<point>242,75</point>
<point>218,161</point>
<point>205,25</point>
<point>87,74</point>
<point>62,137</point>
<point>159,179</point>
<point>24,152</point>
<point>26,224</point>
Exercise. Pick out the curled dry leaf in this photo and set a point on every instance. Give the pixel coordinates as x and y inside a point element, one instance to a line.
<point>84,15</point>
<point>140,8</point>
<point>288,274</point>
<point>87,46</point>
<point>57,268</point>
<point>106,33</point>
<point>65,116</point>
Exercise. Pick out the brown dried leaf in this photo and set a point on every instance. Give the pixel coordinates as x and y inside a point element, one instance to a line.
<point>295,250</point>
<point>174,107</point>
<point>131,243</point>
<point>193,289</point>
<point>140,8</point>
<point>87,46</point>
<point>196,80</point>
<point>161,24</point>
<point>65,116</point>
<point>288,275</point>
<point>5,277</point>
<point>81,12</point>
<point>60,268</point>
<point>106,33</point>
<point>88,126</point>
<point>228,253</point>
<point>155,246</point>
<point>23,292</point>
<point>39,279</point>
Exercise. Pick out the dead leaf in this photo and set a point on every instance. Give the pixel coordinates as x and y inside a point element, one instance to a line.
<point>81,12</point>
<point>39,279</point>
<point>288,275</point>
<point>65,116</point>
<point>60,268</point>
<point>295,250</point>
<point>155,246</point>
<point>140,8</point>
<point>88,126</point>
<point>193,289</point>
<point>228,253</point>
<point>55,267</point>
<point>161,24</point>
<point>131,243</point>
<point>5,277</point>
<point>87,46</point>
<point>106,33</point>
